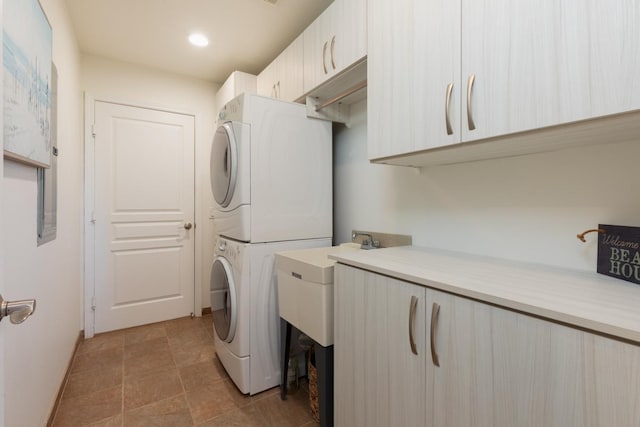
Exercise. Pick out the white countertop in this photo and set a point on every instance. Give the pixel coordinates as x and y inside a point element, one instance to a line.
<point>584,299</point>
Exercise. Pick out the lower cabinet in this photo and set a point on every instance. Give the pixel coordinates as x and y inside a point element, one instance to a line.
<point>378,380</point>
<point>476,364</point>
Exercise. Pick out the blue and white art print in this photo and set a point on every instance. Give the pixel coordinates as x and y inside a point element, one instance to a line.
<point>26,59</point>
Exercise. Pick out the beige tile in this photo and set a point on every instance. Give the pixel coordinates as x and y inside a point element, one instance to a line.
<point>210,401</point>
<point>202,374</point>
<point>89,408</point>
<point>247,416</point>
<point>97,360</point>
<point>143,348</point>
<point>144,333</point>
<point>238,398</point>
<point>89,382</point>
<point>140,391</point>
<point>191,354</point>
<point>265,394</point>
<point>99,342</point>
<point>292,412</point>
<point>177,327</point>
<point>109,422</point>
<point>190,337</point>
<point>148,363</point>
<point>173,412</point>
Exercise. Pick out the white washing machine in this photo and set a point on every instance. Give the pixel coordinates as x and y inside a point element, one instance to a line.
<point>271,172</point>
<point>244,303</point>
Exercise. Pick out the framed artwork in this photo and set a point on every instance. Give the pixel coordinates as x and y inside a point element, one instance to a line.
<point>26,58</point>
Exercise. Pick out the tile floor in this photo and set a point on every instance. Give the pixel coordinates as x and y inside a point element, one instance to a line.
<point>166,374</point>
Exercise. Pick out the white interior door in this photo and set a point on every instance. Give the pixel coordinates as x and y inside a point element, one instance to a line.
<point>144,211</point>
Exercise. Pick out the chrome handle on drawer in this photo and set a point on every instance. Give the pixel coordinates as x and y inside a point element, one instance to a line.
<point>324,54</point>
<point>470,81</point>
<point>447,103</point>
<point>435,310</point>
<point>412,321</point>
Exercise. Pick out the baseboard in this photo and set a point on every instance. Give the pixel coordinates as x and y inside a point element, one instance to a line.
<point>64,381</point>
<point>206,310</point>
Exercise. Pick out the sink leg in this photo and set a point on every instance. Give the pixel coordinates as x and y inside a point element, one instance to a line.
<point>324,362</point>
<point>285,345</point>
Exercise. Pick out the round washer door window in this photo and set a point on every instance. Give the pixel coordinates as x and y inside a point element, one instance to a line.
<point>223,165</point>
<point>223,299</point>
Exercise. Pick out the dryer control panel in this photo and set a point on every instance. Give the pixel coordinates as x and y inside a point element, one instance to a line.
<point>232,110</point>
<point>229,250</point>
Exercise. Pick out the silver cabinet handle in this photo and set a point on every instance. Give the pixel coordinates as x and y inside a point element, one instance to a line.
<point>18,311</point>
<point>188,226</point>
<point>447,103</point>
<point>278,92</point>
<point>274,93</point>
<point>333,43</point>
<point>470,81</point>
<point>435,310</point>
<point>324,53</point>
<point>412,321</point>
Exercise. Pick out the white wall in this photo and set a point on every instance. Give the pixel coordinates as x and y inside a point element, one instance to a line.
<point>527,208</point>
<point>109,80</point>
<point>38,351</point>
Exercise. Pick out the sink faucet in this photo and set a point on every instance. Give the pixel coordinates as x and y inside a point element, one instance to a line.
<point>366,243</point>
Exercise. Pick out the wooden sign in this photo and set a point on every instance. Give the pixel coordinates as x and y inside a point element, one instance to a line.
<point>619,252</point>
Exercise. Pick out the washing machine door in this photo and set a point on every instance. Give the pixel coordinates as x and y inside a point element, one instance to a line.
<point>223,299</point>
<point>223,164</point>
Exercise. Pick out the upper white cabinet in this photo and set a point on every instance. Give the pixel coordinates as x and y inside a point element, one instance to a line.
<point>334,41</point>
<point>445,72</point>
<point>543,63</point>
<point>413,58</point>
<point>283,78</point>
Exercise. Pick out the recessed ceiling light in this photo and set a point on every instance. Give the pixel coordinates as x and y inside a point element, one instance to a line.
<point>198,39</point>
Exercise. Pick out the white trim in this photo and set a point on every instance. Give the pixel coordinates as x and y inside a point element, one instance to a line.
<point>89,230</point>
<point>89,204</point>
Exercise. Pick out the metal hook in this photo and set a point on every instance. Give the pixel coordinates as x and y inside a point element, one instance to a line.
<point>593,230</point>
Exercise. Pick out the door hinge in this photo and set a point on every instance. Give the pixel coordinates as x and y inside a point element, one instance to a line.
<point>93,217</point>
<point>93,130</point>
<point>93,303</point>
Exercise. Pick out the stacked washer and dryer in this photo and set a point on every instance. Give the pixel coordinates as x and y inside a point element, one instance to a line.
<point>271,178</point>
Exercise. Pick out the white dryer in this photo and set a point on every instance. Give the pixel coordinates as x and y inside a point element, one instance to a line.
<point>271,172</point>
<point>244,304</point>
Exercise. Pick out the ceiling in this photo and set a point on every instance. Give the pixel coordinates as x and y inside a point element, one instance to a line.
<point>244,35</point>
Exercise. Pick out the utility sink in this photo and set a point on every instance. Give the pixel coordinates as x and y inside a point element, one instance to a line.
<point>305,289</point>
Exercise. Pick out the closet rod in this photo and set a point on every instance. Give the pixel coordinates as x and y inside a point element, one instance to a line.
<point>343,95</point>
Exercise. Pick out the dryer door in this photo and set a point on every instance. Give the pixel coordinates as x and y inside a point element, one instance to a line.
<point>223,165</point>
<point>223,299</point>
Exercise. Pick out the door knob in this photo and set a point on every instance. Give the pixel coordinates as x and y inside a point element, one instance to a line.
<point>188,226</point>
<point>18,311</point>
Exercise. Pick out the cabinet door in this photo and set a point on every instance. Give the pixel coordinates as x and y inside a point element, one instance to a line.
<point>266,81</point>
<point>502,368</point>
<point>289,81</point>
<point>541,63</point>
<point>538,372</point>
<point>413,57</point>
<point>378,380</point>
<point>459,339</point>
<point>612,382</point>
<point>348,41</point>
<point>334,41</point>
<point>316,38</point>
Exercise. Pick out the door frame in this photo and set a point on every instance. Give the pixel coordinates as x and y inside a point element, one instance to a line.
<point>89,205</point>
